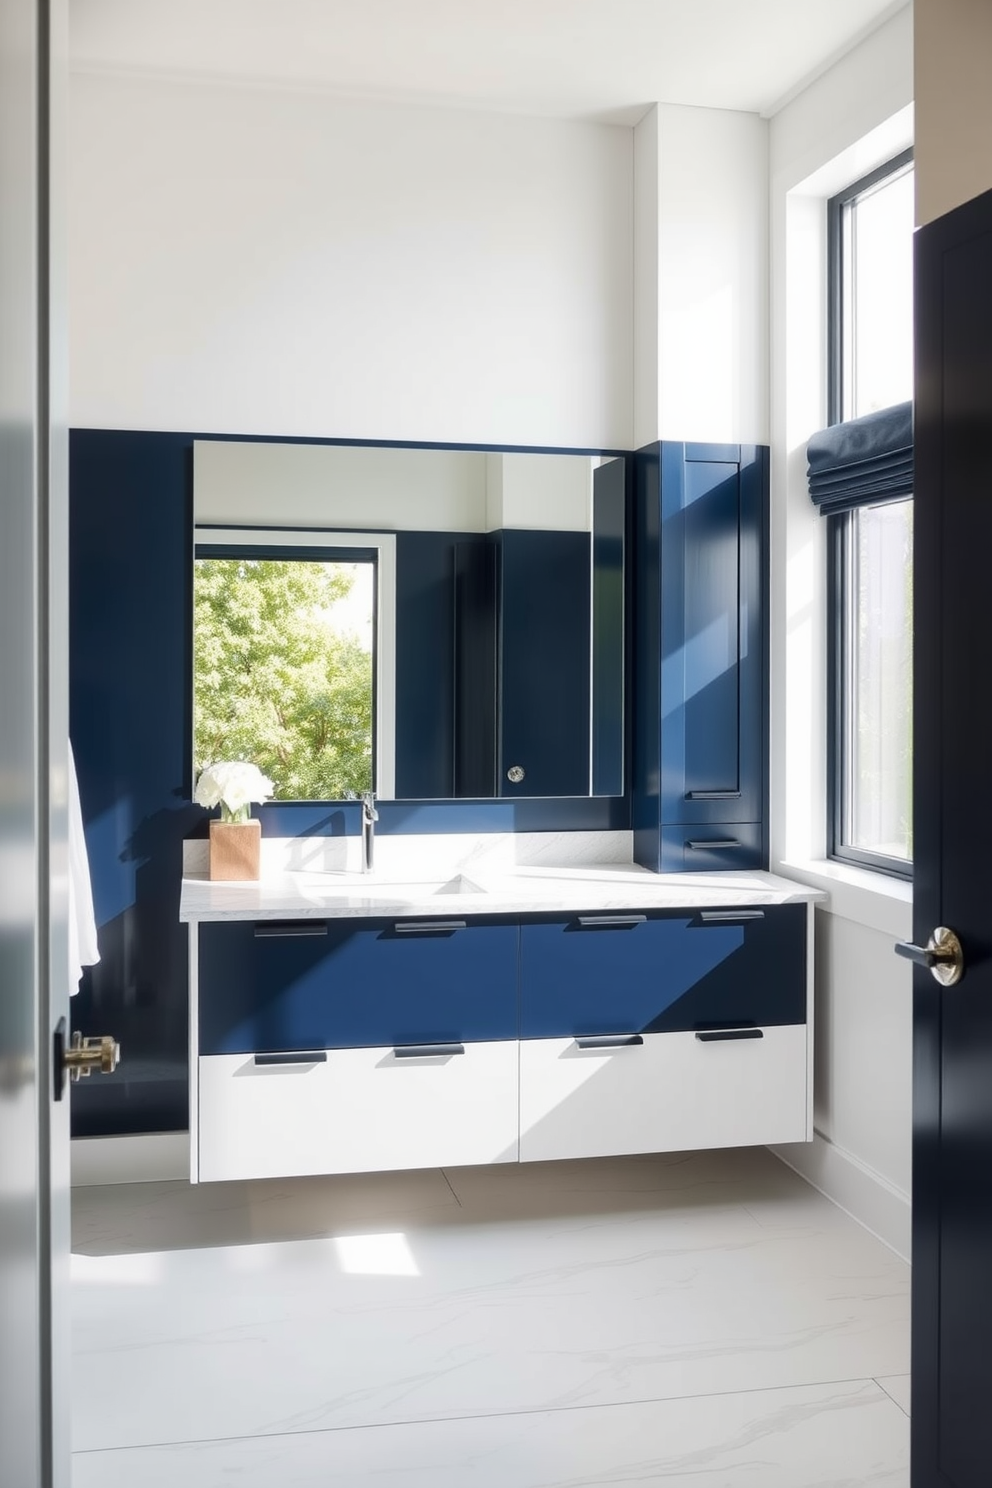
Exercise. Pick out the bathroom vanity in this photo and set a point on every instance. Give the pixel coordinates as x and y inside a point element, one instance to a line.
<point>342,1024</point>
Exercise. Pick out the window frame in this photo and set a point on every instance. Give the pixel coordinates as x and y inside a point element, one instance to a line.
<point>840,540</point>
<point>326,545</point>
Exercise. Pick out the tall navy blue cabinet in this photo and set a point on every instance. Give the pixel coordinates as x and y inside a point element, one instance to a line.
<point>700,657</point>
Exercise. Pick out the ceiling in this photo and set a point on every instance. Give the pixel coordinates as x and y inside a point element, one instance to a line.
<point>588,59</point>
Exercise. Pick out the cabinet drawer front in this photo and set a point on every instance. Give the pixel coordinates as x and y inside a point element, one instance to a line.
<point>670,1093</point>
<point>353,984</point>
<point>711,848</point>
<point>356,1110</point>
<point>672,972</point>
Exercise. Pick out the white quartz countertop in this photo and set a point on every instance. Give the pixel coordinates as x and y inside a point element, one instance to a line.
<point>587,889</point>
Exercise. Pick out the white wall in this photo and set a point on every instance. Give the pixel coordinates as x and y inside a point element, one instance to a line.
<point>321,485</point>
<point>549,492</point>
<point>263,261</point>
<point>853,117</point>
<point>953,103</point>
<point>701,275</point>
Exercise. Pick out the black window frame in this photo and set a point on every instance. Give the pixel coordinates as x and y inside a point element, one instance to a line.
<point>840,539</point>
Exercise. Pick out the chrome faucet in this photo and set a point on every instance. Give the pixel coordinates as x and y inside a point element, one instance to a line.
<point>369,818</point>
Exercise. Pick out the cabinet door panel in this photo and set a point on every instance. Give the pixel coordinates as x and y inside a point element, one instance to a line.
<point>671,1093</point>
<point>356,1110</point>
<point>357,984</point>
<point>712,639</point>
<point>674,971</point>
<point>700,671</point>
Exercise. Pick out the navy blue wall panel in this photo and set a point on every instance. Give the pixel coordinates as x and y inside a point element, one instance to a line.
<point>545,597</point>
<point>646,648</point>
<point>130,612</point>
<point>609,530</point>
<point>475,666</point>
<point>425,647</point>
<point>354,985</point>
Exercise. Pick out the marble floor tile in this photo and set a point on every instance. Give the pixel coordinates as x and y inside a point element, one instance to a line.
<point>130,1217</point>
<point>463,1315</point>
<point>752,1177</point>
<point>897,1385</point>
<point>845,1435</point>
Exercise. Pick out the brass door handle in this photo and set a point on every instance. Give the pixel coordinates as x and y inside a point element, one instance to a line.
<point>82,1056</point>
<point>942,955</point>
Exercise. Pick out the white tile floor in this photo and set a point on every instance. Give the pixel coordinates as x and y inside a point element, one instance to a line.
<point>703,1319</point>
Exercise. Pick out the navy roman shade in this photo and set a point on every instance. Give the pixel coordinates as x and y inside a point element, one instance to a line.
<point>863,461</point>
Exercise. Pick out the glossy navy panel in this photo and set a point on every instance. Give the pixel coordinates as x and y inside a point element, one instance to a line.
<point>130,698</point>
<point>362,984</point>
<point>646,748</point>
<point>674,972</point>
<point>544,586</point>
<point>425,644</point>
<point>711,635</point>
<point>609,519</point>
<point>475,667</point>
<point>340,819</point>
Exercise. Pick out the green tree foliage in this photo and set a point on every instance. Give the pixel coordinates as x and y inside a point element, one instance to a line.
<point>275,682</point>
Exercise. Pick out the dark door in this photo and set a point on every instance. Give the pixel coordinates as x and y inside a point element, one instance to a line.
<point>952,1164</point>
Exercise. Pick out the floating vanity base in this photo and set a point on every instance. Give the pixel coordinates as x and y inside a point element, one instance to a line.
<point>358,1040</point>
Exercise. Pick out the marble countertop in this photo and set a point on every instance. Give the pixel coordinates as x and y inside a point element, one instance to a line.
<point>590,888</point>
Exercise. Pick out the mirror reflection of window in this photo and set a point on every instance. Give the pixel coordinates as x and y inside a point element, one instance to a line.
<point>283,669</point>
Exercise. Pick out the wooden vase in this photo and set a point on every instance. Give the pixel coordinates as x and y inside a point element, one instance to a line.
<point>235,850</point>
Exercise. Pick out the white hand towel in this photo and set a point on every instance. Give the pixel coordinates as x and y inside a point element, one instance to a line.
<point>83,947</point>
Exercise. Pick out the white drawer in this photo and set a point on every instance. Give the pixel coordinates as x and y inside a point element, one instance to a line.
<point>670,1093</point>
<point>356,1110</point>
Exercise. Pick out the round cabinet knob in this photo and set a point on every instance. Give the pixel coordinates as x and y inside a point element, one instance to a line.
<point>515,774</point>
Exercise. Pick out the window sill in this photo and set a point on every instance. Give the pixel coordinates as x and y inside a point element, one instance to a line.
<point>873,899</point>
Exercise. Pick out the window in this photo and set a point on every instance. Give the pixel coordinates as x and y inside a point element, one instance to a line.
<point>871,546</point>
<point>286,659</point>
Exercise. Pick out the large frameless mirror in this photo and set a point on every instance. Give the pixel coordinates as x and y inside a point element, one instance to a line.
<point>428,623</point>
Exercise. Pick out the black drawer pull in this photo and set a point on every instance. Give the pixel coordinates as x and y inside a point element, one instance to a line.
<point>426,1051</point>
<point>721,1035</point>
<point>264,929</point>
<point>305,1056</point>
<point>729,916</point>
<point>429,927</point>
<point>609,1040</point>
<point>713,795</point>
<point>611,922</point>
<point>714,842</point>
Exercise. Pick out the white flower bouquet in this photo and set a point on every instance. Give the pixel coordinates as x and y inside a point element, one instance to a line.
<point>232,785</point>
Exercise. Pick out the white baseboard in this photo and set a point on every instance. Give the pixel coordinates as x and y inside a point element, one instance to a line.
<point>856,1188</point>
<point>146,1157</point>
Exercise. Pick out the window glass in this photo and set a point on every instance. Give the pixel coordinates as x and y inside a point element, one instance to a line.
<point>880,287</point>
<point>283,652</point>
<point>872,552</point>
<point>879,756</point>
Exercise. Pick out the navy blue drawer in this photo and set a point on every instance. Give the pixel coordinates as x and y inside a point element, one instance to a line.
<point>296,985</point>
<point>711,848</point>
<point>668,972</point>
